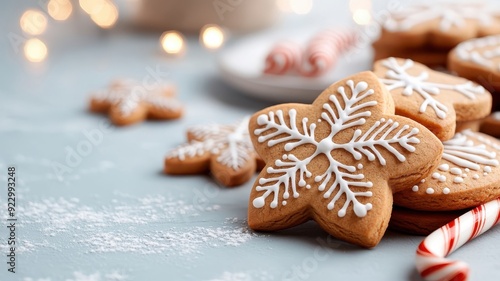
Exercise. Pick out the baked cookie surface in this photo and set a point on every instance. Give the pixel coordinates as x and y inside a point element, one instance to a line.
<point>467,176</point>
<point>128,102</point>
<point>224,150</point>
<point>337,161</point>
<point>434,99</point>
<point>478,60</point>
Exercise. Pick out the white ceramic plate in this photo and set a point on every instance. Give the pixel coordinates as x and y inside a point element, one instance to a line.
<point>241,66</point>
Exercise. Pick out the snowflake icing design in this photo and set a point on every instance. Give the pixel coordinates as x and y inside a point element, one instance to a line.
<point>231,144</point>
<point>342,113</point>
<point>129,95</point>
<point>450,13</point>
<point>397,77</point>
<point>482,51</point>
<point>468,155</point>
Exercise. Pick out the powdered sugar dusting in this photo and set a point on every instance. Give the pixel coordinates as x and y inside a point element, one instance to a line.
<point>124,225</point>
<point>79,276</point>
<point>243,276</point>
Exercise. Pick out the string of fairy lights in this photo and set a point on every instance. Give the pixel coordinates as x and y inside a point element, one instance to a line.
<point>104,13</point>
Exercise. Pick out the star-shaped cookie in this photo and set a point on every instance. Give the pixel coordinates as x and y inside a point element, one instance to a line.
<point>434,99</point>
<point>337,161</point>
<point>224,150</point>
<point>129,102</point>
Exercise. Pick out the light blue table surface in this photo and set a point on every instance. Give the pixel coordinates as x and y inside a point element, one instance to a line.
<point>114,215</point>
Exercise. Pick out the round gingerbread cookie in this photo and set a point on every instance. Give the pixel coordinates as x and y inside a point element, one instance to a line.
<point>478,60</point>
<point>468,175</point>
<point>436,100</point>
<point>337,161</point>
<point>439,23</point>
<point>491,125</point>
<point>420,222</point>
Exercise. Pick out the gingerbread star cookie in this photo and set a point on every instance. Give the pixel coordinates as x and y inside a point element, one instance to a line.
<point>337,161</point>
<point>468,175</point>
<point>128,102</point>
<point>434,99</point>
<point>478,60</point>
<point>439,23</point>
<point>224,150</point>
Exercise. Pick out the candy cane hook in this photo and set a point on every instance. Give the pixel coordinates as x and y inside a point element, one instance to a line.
<point>431,262</point>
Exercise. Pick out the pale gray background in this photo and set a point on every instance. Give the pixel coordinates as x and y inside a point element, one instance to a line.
<point>43,110</point>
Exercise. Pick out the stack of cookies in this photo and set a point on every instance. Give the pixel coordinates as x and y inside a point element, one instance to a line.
<point>468,173</point>
<point>378,146</point>
<point>426,31</point>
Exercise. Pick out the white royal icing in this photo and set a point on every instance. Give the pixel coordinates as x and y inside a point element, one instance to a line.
<point>342,113</point>
<point>397,77</point>
<point>128,95</point>
<point>231,143</point>
<point>466,152</point>
<point>479,52</point>
<point>450,14</point>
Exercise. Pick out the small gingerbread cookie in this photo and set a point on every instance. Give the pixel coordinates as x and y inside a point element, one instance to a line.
<point>491,125</point>
<point>337,161</point>
<point>468,176</point>
<point>478,60</point>
<point>434,99</point>
<point>440,23</point>
<point>224,150</point>
<point>420,222</point>
<point>129,102</point>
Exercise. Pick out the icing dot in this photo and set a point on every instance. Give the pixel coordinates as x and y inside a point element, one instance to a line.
<point>458,180</point>
<point>442,178</point>
<point>308,186</point>
<point>360,166</point>
<point>467,170</point>
<point>285,156</point>
<point>284,203</point>
<point>319,120</point>
<point>258,202</point>
<point>262,119</point>
<point>476,176</point>
<point>456,171</point>
<point>485,174</point>
<point>446,190</point>
<point>464,175</point>
<point>429,190</point>
<point>487,169</point>
<point>436,176</point>
<point>422,181</point>
<point>415,188</point>
<point>444,167</point>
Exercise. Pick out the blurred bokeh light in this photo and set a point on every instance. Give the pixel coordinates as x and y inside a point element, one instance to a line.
<point>33,22</point>
<point>172,42</point>
<point>35,50</point>
<point>301,7</point>
<point>212,36</point>
<point>361,11</point>
<point>60,9</point>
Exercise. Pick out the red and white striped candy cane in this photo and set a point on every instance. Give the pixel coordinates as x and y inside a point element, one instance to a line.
<point>283,57</point>
<point>431,262</point>
<point>323,51</point>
